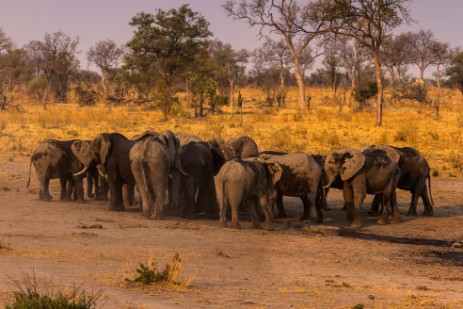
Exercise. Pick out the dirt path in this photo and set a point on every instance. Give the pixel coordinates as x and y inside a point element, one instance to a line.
<point>406,265</point>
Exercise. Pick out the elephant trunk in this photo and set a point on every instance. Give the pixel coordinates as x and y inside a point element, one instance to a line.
<point>83,171</point>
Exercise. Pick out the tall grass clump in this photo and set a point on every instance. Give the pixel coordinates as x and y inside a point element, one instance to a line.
<point>31,294</point>
<point>149,273</point>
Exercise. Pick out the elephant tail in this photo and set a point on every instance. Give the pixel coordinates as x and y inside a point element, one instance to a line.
<point>429,187</point>
<point>29,179</point>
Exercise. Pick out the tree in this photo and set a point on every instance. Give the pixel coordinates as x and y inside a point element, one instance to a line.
<point>369,22</point>
<point>55,58</point>
<point>105,55</point>
<point>229,66</point>
<point>274,56</point>
<point>396,55</point>
<point>5,41</point>
<point>297,25</point>
<point>454,71</point>
<point>164,47</point>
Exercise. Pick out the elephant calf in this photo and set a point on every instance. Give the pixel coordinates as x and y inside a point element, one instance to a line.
<point>250,182</point>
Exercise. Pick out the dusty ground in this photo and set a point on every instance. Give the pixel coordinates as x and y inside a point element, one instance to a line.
<point>407,265</point>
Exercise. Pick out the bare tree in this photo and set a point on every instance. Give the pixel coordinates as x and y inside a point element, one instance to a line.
<point>396,55</point>
<point>297,25</point>
<point>105,55</point>
<point>369,22</point>
<point>5,41</point>
<point>421,44</point>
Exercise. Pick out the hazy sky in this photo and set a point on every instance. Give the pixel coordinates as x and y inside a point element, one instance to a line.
<point>95,20</point>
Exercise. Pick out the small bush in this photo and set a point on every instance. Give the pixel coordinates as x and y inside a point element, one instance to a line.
<point>29,295</point>
<point>365,93</point>
<point>149,274</point>
<point>414,91</point>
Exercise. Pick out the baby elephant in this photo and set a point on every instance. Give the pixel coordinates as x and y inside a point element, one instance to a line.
<point>250,182</point>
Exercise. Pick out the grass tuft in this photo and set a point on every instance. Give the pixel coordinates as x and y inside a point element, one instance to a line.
<point>31,293</point>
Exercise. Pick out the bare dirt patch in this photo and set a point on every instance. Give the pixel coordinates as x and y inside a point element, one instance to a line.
<point>417,263</point>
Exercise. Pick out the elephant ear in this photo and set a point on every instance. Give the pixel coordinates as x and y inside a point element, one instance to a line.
<point>351,160</point>
<point>218,159</point>
<point>104,145</point>
<point>395,155</point>
<point>273,168</point>
<point>145,134</point>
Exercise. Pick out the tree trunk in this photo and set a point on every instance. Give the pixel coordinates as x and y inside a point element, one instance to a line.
<point>379,82</point>
<point>232,92</point>
<point>300,85</point>
<point>47,90</point>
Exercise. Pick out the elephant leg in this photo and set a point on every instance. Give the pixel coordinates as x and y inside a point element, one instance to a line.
<point>374,210</point>
<point>66,188</point>
<point>191,207</point>
<point>128,194</point>
<point>306,204</point>
<point>251,205</point>
<point>395,209</point>
<point>158,186</point>
<point>386,210</point>
<point>208,196</point>
<point>235,199</point>
<point>79,189</point>
<point>281,209</point>
<point>265,207</point>
<point>358,194</point>
<point>415,195</point>
<point>318,206</point>
<point>141,187</point>
<point>115,195</point>
<point>428,209</point>
<point>348,196</point>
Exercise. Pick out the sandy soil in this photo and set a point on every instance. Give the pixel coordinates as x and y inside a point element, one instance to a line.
<point>300,264</point>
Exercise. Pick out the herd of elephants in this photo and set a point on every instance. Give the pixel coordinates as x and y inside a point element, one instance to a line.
<point>180,174</point>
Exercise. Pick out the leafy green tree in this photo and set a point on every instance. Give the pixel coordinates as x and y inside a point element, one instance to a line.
<point>229,66</point>
<point>202,87</point>
<point>163,48</point>
<point>55,58</point>
<point>454,71</point>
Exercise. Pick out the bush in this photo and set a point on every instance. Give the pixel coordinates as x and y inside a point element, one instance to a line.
<point>149,274</point>
<point>362,94</point>
<point>413,91</point>
<point>29,296</point>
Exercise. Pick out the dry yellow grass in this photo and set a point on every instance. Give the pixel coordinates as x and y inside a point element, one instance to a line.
<point>320,130</point>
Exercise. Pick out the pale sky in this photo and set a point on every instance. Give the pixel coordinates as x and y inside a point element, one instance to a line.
<point>96,20</point>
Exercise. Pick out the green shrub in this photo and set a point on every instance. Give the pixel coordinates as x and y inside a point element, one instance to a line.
<point>29,296</point>
<point>149,274</point>
<point>364,93</point>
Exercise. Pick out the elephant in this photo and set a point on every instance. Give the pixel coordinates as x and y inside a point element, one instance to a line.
<point>250,182</point>
<point>372,172</point>
<point>414,171</point>
<point>302,177</point>
<point>241,147</point>
<point>154,160</point>
<point>201,161</point>
<point>109,152</point>
<point>185,138</point>
<point>54,159</point>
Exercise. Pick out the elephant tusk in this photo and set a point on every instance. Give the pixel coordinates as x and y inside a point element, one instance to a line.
<point>183,172</point>
<point>327,186</point>
<point>99,168</point>
<point>83,171</point>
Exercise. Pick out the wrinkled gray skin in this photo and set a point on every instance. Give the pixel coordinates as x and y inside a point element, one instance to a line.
<point>336,184</point>
<point>414,171</point>
<point>185,138</point>
<point>54,159</point>
<point>250,182</point>
<point>201,161</point>
<point>109,152</point>
<point>372,172</point>
<point>302,177</point>
<point>154,160</point>
<point>241,147</point>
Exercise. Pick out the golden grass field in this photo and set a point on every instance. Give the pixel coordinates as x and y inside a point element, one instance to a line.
<point>320,130</point>
<point>300,264</point>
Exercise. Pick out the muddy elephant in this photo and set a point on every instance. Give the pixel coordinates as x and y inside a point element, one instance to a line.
<point>303,177</point>
<point>185,138</point>
<point>372,172</point>
<point>155,163</point>
<point>250,182</point>
<point>414,171</point>
<point>109,152</point>
<point>54,159</point>
<point>201,161</point>
<point>241,147</point>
